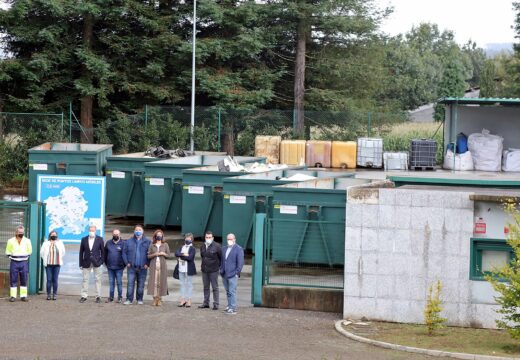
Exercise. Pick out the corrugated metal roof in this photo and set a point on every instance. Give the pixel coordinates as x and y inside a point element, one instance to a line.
<point>480,101</point>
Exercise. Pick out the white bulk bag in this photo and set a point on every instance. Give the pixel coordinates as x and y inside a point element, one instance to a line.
<point>486,150</point>
<point>463,162</point>
<point>511,160</point>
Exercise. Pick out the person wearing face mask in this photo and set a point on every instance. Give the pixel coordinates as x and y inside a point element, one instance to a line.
<point>91,257</point>
<point>52,253</point>
<point>158,252</point>
<point>230,269</point>
<point>185,257</point>
<point>18,249</point>
<point>211,254</point>
<point>135,256</point>
<point>115,265</point>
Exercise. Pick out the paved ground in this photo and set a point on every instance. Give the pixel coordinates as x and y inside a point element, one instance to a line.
<point>65,329</point>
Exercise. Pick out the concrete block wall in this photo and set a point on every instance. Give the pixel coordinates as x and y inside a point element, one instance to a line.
<point>398,242</point>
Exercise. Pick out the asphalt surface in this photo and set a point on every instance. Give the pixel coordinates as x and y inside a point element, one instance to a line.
<point>66,329</point>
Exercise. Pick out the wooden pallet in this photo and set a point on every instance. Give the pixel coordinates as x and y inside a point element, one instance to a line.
<point>422,168</point>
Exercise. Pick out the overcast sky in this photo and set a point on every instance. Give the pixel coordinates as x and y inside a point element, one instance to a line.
<point>483,21</point>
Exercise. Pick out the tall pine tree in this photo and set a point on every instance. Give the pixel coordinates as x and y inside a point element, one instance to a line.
<point>109,55</point>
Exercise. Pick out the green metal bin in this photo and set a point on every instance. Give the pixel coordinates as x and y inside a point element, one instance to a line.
<point>307,225</point>
<point>66,159</point>
<point>202,198</point>
<point>125,184</point>
<point>163,190</point>
<point>247,195</point>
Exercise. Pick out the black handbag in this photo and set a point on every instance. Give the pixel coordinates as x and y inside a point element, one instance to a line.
<point>176,272</point>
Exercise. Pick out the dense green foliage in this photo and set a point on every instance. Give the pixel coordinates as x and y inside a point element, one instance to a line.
<point>508,297</point>
<point>140,53</point>
<point>123,54</point>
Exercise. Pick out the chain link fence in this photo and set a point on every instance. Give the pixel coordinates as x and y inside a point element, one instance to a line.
<point>305,253</point>
<point>22,131</point>
<point>169,126</point>
<point>11,215</point>
<point>215,129</point>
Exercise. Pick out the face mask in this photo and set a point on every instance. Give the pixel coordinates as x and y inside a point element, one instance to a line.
<point>19,236</point>
<point>53,237</point>
<point>138,233</point>
<point>159,238</point>
<point>188,242</point>
<point>208,242</point>
<point>115,237</point>
<point>231,242</point>
<point>91,233</point>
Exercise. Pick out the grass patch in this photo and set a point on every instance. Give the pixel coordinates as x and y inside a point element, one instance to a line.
<point>400,135</point>
<point>454,339</point>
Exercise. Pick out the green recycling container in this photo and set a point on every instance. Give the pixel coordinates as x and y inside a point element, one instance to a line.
<point>163,190</point>
<point>247,195</point>
<point>125,184</point>
<point>66,159</point>
<point>307,224</point>
<point>202,198</point>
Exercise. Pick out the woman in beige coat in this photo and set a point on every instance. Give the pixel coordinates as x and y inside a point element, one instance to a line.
<point>158,278</point>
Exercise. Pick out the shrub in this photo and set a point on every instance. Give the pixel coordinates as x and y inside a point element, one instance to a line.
<point>509,290</point>
<point>433,308</point>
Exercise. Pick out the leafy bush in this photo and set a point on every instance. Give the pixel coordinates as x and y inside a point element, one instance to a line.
<point>509,290</point>
<point>432,311</point>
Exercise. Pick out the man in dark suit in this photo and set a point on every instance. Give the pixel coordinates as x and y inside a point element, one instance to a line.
<point>211,254</point>
<point>230,269</point>
<point>91,255</point>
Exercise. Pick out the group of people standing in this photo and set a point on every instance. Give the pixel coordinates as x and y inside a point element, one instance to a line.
<point>142,258</point>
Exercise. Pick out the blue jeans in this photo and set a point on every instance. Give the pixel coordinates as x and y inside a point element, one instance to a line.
<point>52,272</point>
<point>186,285</point>
<point>139,275</point>
<point>115,274</point>
<point>231,291</point>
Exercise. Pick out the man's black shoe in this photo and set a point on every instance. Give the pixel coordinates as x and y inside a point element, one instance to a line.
<point>215,307</point>
<point>203,306</point>
<point>82,300</point>
<point>98,300</point>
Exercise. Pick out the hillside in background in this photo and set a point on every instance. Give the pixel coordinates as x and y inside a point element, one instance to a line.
<point>496,48</point>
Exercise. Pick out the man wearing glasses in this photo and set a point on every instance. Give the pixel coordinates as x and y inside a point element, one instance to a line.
<point>230,268</point>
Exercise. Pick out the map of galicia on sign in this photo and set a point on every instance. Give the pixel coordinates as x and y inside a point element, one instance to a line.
<point>67,211</point>
<point>73,203</point>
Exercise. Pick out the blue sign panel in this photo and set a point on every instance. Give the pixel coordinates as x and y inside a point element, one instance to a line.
<point>73,203</point>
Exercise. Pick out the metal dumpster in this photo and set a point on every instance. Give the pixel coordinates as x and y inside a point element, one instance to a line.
<point>307,224</point>
<point>202,199</point>
<point>163,190</point>
<point>125,184</point>
<point>66,159</point>
<point>246,195</point>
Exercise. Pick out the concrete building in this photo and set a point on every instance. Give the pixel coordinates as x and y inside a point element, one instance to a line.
<point>399,241</point>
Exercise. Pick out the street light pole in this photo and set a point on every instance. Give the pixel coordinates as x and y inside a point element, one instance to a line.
<point>192,127</point>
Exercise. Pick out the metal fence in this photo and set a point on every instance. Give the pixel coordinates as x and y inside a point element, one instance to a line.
<point>304,253</point>
<point>11,215</point>
<point>169,126</point>
<point>21,131</point>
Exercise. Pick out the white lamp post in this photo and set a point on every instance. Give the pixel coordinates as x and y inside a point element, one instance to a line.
<point>192,127</point>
